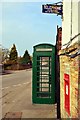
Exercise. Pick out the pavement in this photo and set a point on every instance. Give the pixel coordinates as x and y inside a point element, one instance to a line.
<point>17,98</point>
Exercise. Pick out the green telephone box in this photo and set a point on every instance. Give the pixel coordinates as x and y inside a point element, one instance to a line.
<point>43,74</point>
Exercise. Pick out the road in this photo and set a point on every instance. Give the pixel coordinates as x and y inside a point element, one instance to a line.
<point>17,97</point>
<point>18,77</point>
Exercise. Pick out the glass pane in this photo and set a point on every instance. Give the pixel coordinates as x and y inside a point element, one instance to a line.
<point>44,77</point>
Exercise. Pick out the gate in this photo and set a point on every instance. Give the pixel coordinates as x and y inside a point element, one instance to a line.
<point>43,82</point>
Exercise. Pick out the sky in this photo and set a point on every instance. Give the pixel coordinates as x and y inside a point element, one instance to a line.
<point>24,25</point>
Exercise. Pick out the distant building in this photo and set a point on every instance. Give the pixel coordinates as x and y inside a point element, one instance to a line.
<point>59,39</point>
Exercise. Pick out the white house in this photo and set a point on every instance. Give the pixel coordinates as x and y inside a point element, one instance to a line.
<point>70,61</point>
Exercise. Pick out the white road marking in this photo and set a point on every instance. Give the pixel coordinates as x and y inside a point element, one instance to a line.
<point>15,85</point>
<point>13,101</point>
<point>25,83</point>
<point>6,88</point>
<point>3,104</point>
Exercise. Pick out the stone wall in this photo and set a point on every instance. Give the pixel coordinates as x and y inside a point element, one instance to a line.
<point>70,66</point>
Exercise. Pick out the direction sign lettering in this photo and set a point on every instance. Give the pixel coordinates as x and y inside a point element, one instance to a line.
<point>49,8</point>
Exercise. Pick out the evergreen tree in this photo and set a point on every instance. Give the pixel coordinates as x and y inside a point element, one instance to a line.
<point>26,58</point>
<point>13,54</point>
